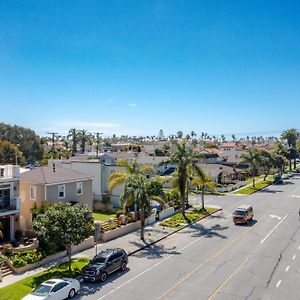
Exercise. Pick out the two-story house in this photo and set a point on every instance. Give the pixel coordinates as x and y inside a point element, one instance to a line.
<point>9,201</point>
<point>53,184</point>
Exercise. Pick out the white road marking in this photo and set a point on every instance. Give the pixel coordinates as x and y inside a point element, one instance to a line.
<point>273,229</point>
<point>294,257</point>
<point>295,196</point>
<point>287,268</point>
<point>299,248</point>
<point>274,216</point>
<point>278,283</point>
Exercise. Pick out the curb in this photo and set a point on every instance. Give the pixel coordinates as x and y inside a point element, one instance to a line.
<point>169,234</point>
<point>260,189</point>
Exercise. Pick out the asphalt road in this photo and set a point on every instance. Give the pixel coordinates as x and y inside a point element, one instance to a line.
<point>215,259</point>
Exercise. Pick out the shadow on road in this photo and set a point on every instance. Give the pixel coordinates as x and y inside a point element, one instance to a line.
<point>197,230</point>
<point>267,190</point>
<point>90,288</point>
<point>156,251</point>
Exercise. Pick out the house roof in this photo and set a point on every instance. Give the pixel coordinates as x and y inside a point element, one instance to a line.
<point>214,170</point>
<point>228,145</point>
<point>46,175</point>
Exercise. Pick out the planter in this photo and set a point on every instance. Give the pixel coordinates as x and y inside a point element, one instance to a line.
<point>87,243</point>
<point>166,213</point>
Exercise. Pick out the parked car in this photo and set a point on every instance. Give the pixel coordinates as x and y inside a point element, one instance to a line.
<point>277,179</point>
<point>105,263</point>
<point>297,170</point>
<point>55,289</point>
<point>285,176</point>
<point>243,214</point>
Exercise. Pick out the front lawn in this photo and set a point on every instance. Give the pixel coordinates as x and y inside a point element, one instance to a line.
<point>250,179</point>
<point>101,216</point>
<point>23,287</point>
<point>177,220</point>
<point>250,189</point>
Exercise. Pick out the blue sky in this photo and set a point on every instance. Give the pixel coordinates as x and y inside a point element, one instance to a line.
<point>133,67</point>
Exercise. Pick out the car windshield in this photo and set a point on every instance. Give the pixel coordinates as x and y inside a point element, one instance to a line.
<point>99,260</point>
<point>240,212</point>
<point>42,290</point>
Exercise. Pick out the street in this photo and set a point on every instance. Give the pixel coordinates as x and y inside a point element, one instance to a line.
<point>215,259</point>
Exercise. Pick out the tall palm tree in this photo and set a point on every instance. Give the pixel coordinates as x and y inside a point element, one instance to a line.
<point>84,137</point>
<point>73,134</point>
<point>184,156</point>
<point>291,136</point>
<point>201,180</point>
<point>140,191</point>
<point>252,157</point>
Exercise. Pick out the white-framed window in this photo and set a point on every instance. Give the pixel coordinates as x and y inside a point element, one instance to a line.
<point>61,191</point>
<point>33,193</point>
<point>79,188</point>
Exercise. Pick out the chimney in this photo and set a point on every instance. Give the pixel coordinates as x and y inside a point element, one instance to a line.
<point>53,167</point>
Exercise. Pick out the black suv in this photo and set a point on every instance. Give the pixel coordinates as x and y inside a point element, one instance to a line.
<point>104,263</point>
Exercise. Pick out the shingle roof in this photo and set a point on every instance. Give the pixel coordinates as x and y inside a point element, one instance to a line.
<point>46,175</point>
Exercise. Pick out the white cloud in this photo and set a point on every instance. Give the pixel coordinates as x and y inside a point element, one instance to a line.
<point>133,105</point>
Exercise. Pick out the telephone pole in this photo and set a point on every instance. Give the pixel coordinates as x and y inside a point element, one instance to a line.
<point>54,134</point>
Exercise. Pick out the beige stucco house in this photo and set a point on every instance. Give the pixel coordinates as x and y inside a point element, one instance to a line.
<point>53,184</point>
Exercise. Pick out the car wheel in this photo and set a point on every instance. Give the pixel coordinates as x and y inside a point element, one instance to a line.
<point>103,276</point>
<point>72,293</point>
<point>124,266</point>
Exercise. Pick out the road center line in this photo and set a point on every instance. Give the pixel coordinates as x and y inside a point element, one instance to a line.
<point>278,283</point>
<point>227,279</point>
<point>273,229</point>
<point>287,268</point>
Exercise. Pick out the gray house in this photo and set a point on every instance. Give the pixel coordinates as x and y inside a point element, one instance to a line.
<point>54,184</point>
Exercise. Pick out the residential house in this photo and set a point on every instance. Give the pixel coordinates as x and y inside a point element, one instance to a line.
<point>53,184</point>
<point>9,200</point>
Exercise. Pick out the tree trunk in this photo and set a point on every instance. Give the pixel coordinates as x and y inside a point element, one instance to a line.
<point>290,165</point>
<point>202,196</point>
<point>68,247</point>
<point>266,175</point>
<point>253,180</point>
<point>142,218</point>
<point>295,165</point>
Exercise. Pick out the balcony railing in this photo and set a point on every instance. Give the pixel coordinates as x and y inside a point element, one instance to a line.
<point>9,206</point>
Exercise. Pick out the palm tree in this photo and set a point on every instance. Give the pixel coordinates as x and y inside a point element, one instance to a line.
<point>291,135</point>
<point>130,170</point>
<point>84,137</point>
<point>184,157</point>
<point>252,157</point>
<point>73,133</point>
<point>140,191</point>
<point>201,180</point>
<point>179,134</point>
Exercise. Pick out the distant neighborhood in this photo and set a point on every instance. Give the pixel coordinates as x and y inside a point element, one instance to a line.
<point>98,173</point>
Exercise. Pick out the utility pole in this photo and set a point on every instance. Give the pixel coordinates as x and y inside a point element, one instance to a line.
<point>98,142</point>
<point>53,140</point>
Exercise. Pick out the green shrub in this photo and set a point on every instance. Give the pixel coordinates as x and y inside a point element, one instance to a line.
<point>119,212</point>
<point>18,262</point>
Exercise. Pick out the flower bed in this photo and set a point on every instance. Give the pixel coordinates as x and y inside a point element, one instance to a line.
<point>178,220</point>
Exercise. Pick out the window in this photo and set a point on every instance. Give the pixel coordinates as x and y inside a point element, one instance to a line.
<point>2,172</point>
<point>61,191</point>
<point>79,187</point>
<point>33,193</point>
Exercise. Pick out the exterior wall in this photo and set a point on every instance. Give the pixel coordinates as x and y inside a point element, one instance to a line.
<point>94,170</point>
<point>106,171</point>
<point>27,203</point>
<point>70,193</point>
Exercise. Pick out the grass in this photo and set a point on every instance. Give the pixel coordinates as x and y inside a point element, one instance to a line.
<point>23,287</point>
<point>101,216</point>
<point>177,220</point>
<point>250,189</point>
<point>250,180</point>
